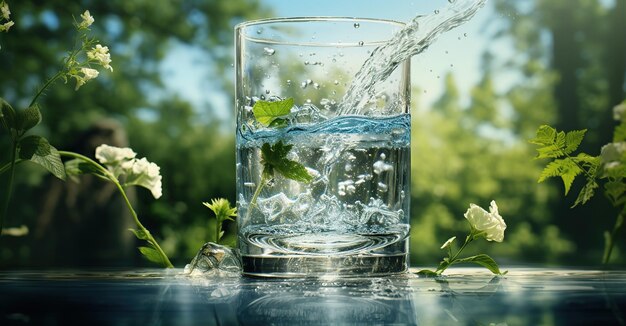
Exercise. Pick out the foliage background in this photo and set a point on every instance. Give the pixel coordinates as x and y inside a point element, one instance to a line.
<point>563,61</point>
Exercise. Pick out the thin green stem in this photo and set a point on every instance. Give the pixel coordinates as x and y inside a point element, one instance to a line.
<point>7,199</point>
<point>46,85</point>
<point>256,194</point>
<point>619,221</point>
<point>452,259</point>
<point>7,166</point>
<point>113,179</point>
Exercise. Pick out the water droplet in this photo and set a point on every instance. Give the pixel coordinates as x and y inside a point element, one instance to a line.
<point>451,65</point>
<point>383,156</point>
<point>267,91</point>
<point>334,60</point>
<point>446,51</point>
<point>259,31</point>
<point>308,101</point>
<point>451,1</point>
<point>357,25</point>
<point>316,85</point>
<point>336,82</point>
<point>361,43</point>
<point>288,82</point>
<point>262,97</point>
<point>306,63</point>
<point>382,187</point>
<point>436,11</point>
<point>303,85</point>
<point>269,51</point>
<point>465,34</point>
<point>312,54</point>
<point>309,82</point>
<point>232,64</point>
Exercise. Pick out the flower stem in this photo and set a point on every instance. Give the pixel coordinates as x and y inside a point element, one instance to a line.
<point>619,221</point>
<point>46,85</point>
<point>450,262</point>
<point>113,179</point>
<point>7,199</point>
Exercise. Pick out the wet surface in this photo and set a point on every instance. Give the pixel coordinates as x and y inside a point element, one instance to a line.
<point>525,296</point>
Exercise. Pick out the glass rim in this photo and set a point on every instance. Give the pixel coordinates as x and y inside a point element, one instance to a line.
<point>260,22</point>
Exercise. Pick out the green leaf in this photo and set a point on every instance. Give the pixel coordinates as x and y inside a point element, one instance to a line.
<point>7,114</point>
<point>38,150</point>
<point>545,136</point>
<point>573,139</point>
<point>565,168</point>
<point>427,273</point>
<point>28,118</point>
<point>482,260</point>
<point>586,193</point>
<point>275,158</point>
<point>267,112</point>
<point>141,235</point>
<point>153,256</point>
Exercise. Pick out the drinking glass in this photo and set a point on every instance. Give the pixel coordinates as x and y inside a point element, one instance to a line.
<point>350,137</point>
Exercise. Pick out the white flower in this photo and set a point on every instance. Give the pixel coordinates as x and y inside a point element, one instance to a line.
<point>619,112</point>
<point>114,155</point>
<point>87,20</point>
<point>5,27</point>
<point>88,74</point>
<point>145,174</point>
<point>448,243</point>
<point>101,55</point>
<point>4,9</point>
<point>122,162</point>
<point>491,224</point>
<point>612,154</point>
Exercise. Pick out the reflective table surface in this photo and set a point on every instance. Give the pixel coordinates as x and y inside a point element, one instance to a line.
<point>525,296</point>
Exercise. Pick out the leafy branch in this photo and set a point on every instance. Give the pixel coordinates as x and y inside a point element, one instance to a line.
<point>223,212</point>
<point>609,167</point>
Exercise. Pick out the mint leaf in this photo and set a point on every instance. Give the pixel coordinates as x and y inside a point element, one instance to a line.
<point>270,114</point>
<point>482,260</point>
<point>274,158</point>
<point>38,150</point>
<point>28,118</point>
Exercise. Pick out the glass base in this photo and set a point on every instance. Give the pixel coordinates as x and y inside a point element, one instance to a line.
<point>324,266</point>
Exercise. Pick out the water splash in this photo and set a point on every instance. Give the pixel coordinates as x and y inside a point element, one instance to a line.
<point>414,38</point>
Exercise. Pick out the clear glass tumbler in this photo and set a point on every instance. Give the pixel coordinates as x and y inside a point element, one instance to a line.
<point>322,182</point>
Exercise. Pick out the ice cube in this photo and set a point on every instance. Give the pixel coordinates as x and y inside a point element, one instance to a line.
<point>213,259</point>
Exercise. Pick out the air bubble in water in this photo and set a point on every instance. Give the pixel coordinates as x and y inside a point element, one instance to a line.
<point>361,43</point>
<point>306,63</point>
<point>309,82</point>
<point>357,25</point>
<point>465,34</point>
<point>382,187</point>
<point>259,31</point>
<point>436,11</point>
<point>316,85</point>
<point>288,82</point>
<point>336,82</point>
<point>303,84</point>
<point>267,91</point>
<point>269,51</point>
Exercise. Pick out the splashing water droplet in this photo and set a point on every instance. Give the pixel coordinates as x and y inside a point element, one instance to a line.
<point>357,25</point>
<point>269,51</point>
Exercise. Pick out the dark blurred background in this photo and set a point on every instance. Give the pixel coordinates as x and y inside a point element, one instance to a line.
<point>479,93</point>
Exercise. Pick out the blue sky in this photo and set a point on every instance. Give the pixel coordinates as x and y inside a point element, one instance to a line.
<point>458,51</point>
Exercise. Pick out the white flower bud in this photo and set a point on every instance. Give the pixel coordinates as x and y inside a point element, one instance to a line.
<point>87,20</point>
<point>491,224</point>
